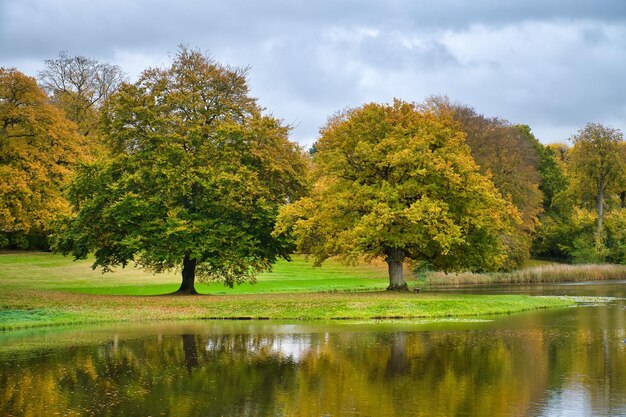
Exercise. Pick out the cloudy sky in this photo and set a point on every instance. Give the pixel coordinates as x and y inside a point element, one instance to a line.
<point>552,64</point>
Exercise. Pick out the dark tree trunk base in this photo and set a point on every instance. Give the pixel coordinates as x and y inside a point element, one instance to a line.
<point>395,259</point>
<point>187,286</point>
<point>401,287</point>
<point>186,291</point>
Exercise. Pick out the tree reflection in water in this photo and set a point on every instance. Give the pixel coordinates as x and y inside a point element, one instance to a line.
<point>523,368</point>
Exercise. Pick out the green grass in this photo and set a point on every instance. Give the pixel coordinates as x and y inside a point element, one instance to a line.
<point>38,308</point>
<point>40,289</point>
<point>55,272</point>
<point>34,317</point>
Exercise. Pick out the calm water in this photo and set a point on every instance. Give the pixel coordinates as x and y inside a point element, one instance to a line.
<point>566,362</point>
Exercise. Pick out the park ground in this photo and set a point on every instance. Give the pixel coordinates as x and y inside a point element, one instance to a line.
<point>43,289</point>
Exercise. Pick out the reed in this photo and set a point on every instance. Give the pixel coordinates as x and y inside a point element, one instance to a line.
<point>544,273</point>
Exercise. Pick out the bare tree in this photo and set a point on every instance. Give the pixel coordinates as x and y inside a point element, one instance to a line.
<point>79,85</point>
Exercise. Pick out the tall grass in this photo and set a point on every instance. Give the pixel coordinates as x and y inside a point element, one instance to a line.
<point>544,273</point>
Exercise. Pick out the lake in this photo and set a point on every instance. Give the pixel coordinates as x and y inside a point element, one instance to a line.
<point>564,362</point>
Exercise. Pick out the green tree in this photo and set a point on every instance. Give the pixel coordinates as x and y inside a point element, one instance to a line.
<point>548,236</point>
<point>396,182</point>
<point>597,164</point>
<point>196,180</point>
<point>616,236</point>
<point>39,149</point>
<point>552,179</point>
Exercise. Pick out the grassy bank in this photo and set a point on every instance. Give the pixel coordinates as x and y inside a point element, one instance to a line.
<point>28,308</point>
<point>538,274</point>
<point>40,289</point>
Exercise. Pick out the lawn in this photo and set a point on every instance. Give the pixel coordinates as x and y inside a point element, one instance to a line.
<point>55,272</point>
<point>41,289</point>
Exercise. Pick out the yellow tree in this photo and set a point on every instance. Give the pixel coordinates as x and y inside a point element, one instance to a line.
<point>560,151</point>
<point>598,163</point>
<point>396,182</point>
<point>38,149</point>
<point>622,181</point>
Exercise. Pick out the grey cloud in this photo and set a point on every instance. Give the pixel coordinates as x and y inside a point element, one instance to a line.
<point>310,59</point>
<point>35,25</point>
<point>388,51</point>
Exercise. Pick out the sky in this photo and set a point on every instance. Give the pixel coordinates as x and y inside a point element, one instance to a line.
<point>554,65</point>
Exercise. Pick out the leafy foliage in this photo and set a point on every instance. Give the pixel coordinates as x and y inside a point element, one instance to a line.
<point>596,172</point>
<point>552,179</point>
<point>393,178</point>
<point>578,237</point>
<point>597,165</point>
<point>548,237</point>
<point>509,155</point>
<point>39,148</point>
<point>196,180</point>
<point>572,236</point>
<point>615,240</point>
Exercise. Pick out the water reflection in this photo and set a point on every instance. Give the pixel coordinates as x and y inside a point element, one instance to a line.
<point>558,362</point>
<point>287,347</point>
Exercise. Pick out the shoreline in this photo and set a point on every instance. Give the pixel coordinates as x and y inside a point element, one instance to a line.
<point>28,309</point>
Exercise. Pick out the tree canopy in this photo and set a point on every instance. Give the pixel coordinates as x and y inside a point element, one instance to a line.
<point>598,164</point>
<point>586,218</point>
<point>196,180</point>
<point>399,182</point>
<point>509,155</point>
<point>39,148</point>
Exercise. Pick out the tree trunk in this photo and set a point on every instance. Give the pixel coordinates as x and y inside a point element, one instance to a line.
<point>398,361</point>
<point>191,351</point>
<point>622,197</point>
<point>189,276</point>
<point>395,259</point>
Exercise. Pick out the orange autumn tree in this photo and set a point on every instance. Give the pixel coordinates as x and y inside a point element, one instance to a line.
<point>399,183</point>
<point>38,149</point>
